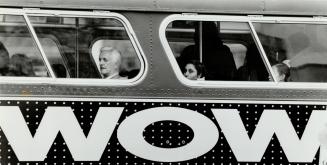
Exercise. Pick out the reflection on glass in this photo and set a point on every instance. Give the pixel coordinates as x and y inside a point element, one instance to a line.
<point>302,47</point>
<point>79,41</point>
<point>226,50</point>
<point>19,55</point>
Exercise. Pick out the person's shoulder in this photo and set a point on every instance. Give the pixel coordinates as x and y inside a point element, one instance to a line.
<point>118,77</point>
<point>122,78</point>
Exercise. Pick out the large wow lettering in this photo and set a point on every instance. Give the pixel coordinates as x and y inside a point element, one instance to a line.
<point>206,134</point>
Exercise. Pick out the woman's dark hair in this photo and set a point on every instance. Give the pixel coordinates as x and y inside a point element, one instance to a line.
<point>3,49</point>
<point>5,57</point>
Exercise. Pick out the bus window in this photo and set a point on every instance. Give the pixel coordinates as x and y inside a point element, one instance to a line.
<point>297,52</point>
<point>19,53</point>
<point>216,51</point>
<point>129,65</point>
<point>79,43</point>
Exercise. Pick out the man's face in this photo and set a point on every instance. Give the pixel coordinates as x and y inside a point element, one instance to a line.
<point>4,59</point>
<point>108,62</point>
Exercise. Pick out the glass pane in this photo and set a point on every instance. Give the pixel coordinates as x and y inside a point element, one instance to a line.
<point>216,51</point>
<point>297,52</point>
<point>78,45</point>
<point>19,53</point>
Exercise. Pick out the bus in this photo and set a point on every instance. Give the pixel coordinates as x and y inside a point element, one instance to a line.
<point>163,82</point>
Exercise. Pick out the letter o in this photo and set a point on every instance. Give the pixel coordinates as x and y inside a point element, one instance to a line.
<point>130,134</point>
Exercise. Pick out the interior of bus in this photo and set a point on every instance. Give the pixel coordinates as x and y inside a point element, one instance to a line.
<point>228,50</point>
<point>71,44</point>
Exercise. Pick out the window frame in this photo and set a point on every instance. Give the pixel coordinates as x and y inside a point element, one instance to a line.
<point>239,19</point>
<point>76,81</point>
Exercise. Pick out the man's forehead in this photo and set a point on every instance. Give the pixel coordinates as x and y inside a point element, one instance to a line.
<point>105,53</point>
<point>108,54</point>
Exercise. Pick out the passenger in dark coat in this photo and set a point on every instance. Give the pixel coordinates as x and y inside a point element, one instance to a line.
<point>217,57</point>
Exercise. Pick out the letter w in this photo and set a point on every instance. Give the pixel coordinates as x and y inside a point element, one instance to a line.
<point>55,120</point>
<point>271,122</point>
